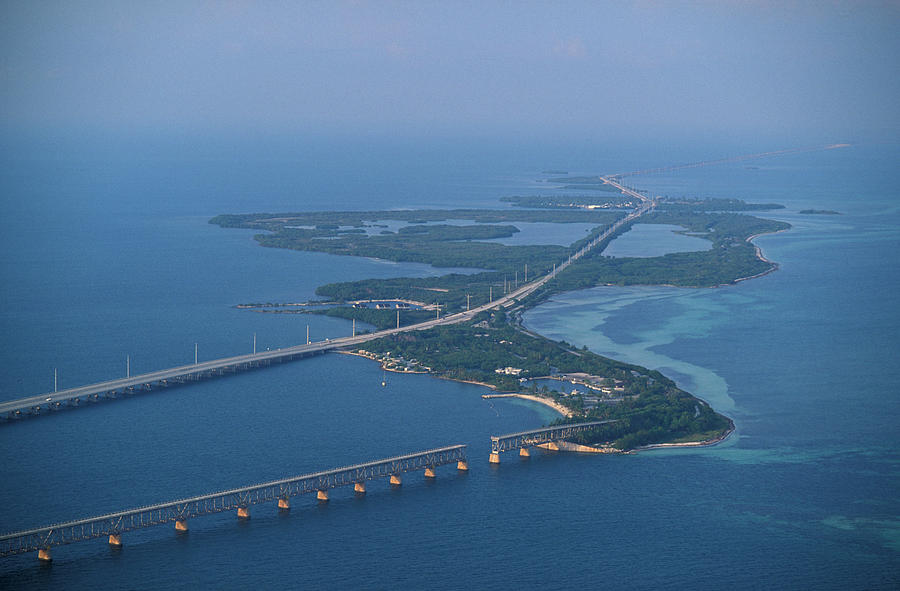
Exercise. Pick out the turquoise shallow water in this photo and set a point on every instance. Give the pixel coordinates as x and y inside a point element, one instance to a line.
<point>805,359</point>
<point>107,258</point>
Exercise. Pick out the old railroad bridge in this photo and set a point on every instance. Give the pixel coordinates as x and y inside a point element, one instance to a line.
<point>239,500</point>
<point>112,526</point>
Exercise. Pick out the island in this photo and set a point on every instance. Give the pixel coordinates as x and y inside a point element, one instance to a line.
<point>495,351</point>
<point>493,348</point>
<point>617,201</point>
<point>819,212</point>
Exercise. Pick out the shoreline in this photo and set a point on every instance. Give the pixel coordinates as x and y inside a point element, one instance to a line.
<point>562,410</point>
<point>355,354</point>
<point>705,443</point>
<point>761,256</point>
<point>546,402</point>
<point>565,412</point>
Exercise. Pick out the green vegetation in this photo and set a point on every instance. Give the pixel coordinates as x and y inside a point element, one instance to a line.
<point>731,257</point>
<point>380,319</point>
<point>275,222</point>
<point>453,292</point>
<point>685,205</point>
<point>448,291</point>
<point>662,415</point>
<point>440,245</point>
<point>474,350</point>
<point>650,409</point>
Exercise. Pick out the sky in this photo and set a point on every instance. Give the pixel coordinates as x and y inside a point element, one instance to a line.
<point>803,71</point>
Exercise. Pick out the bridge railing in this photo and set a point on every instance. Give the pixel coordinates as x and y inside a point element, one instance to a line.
<point>525,439</point>
<point>179,511</point>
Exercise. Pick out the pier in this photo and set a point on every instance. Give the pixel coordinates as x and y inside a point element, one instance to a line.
<point>548,437</point>
<point>112,526</point>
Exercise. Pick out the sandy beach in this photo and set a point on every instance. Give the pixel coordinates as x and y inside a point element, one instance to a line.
<point>562,410</point>
<point>545,401</point>
<point>761,256</point>
<point>708,442</point>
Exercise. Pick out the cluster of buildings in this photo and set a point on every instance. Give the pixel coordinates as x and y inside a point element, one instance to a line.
<point>387,304</point>
<point>599,389</point>
<point>398,364</point>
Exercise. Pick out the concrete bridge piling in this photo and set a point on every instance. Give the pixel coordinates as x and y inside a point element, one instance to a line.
<point>112,526</point>
<point>547,438</point>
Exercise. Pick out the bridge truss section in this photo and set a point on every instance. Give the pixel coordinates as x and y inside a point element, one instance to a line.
<point>525,439</point>
<point>239,499</point>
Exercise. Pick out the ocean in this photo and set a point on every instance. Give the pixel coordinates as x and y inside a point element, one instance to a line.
<point>108,255</point>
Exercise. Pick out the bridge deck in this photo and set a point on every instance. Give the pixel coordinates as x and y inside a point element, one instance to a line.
<point>501,443</point>
<point>74,396</point>
<point>182,509</point>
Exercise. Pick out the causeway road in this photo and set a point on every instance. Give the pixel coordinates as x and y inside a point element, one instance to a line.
<point>49,400</point>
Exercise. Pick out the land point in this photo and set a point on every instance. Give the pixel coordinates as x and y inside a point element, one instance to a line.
<point>491,347</point>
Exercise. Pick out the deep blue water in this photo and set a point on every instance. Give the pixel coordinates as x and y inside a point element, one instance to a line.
<point>107,253</point>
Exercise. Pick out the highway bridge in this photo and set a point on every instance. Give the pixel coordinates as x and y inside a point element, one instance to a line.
<point>542,437</point>
<point>278,492</point>
<point>77,397</point>
<point>730,159</point>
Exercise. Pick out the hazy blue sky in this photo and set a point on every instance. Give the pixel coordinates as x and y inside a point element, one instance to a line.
<point>810,70</point>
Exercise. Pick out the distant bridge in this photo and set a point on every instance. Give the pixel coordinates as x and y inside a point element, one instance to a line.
<point>113,525</point>
<point>543,437</point>
<point>727,160</point>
